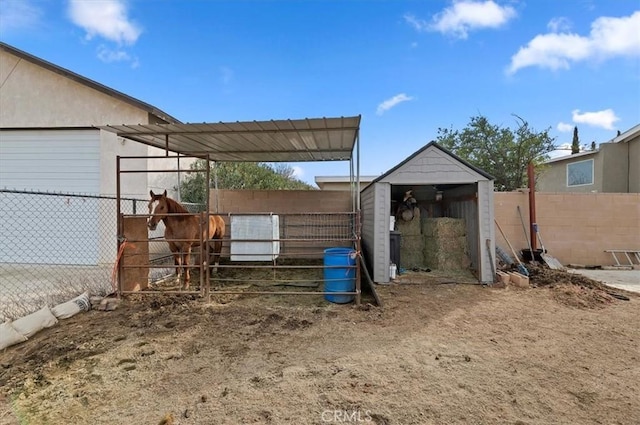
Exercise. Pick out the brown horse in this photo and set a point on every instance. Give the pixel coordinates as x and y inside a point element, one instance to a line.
<point>182,232</point>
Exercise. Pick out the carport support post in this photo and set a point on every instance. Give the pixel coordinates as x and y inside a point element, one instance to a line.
<point>359,258</point>
<point>204,248</point>
<point>119,229</point>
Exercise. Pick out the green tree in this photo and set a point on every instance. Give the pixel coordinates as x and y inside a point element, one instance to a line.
<point>501,152</point>
<point>239,175</point>
<point>575,144</point>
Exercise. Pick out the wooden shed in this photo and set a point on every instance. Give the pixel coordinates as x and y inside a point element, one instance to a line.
<point>446,189</point>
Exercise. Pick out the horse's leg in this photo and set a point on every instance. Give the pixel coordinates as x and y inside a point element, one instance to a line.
<point>186,263</point>
<point>217,247</point>
<point>177,259</point>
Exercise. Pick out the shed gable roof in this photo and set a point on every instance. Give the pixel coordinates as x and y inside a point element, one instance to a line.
<point>433,164</point>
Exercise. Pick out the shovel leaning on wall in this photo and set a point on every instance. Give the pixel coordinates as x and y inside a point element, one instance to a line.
<point>521,268</point>
<point>549,260</point>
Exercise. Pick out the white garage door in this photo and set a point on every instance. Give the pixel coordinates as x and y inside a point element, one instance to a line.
<point>61,161</point>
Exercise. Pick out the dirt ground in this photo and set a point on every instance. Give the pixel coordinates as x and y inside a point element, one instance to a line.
<point>437,352</point>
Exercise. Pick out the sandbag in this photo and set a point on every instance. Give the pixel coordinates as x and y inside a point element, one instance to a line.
<point>34,322</point>
<point>9,336</point>
<point>72,307</point>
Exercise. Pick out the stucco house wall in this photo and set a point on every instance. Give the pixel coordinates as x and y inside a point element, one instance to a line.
<point>39,95</point>
<point>616,167</point>
<point>49,141</point>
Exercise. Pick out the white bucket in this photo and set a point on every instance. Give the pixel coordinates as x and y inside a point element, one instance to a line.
<point>392,271</point>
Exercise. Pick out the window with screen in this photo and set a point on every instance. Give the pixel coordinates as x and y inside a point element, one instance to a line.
<point>580,173</point>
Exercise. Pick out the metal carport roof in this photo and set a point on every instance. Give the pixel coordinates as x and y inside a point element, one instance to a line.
<point>299,140</point>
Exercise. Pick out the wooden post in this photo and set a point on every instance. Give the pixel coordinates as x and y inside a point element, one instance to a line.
<point>532,207</point>
<point>136,253</point>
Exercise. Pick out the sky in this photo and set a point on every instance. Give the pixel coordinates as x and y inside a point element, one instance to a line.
<point>407,67</point>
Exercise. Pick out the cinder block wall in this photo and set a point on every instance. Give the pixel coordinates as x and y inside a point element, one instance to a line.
<point>285,202</point>
<point>576,228</point>
<point>280,201</point>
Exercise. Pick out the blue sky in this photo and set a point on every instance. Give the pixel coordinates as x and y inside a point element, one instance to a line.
<point>408,67</point>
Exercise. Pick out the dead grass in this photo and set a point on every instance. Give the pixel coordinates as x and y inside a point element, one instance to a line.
<point>438,352</point>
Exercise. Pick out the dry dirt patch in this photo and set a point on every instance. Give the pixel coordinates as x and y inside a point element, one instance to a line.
<point>438,352</point>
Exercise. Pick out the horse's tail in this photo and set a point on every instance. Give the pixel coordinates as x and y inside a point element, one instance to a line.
<point>217,227</point>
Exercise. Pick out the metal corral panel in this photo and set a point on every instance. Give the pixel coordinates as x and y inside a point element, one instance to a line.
<point>57,161</point>
<point>375,204</point>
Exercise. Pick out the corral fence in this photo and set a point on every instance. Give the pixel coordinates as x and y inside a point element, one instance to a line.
<point>54,246</point>
<point>263,253</point>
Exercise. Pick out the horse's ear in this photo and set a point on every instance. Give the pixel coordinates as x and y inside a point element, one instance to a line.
<point>151,193</point>
<point>165,193</point>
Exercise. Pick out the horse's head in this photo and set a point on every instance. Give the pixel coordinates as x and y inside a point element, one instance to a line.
<point>158,209</point>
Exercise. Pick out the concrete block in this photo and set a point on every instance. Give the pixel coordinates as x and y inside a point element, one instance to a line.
<point>519,280</point>
<point>503,277</point>
<point>108,304</point>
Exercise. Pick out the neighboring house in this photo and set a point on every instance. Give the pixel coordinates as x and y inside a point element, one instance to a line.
<point>613,167</point>
<point>341,182</point>
<point>49,142</point>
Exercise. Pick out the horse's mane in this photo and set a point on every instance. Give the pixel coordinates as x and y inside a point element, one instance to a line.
<point>174,206</point>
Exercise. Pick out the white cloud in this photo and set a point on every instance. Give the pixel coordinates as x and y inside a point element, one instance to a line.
<point>604,119</point>
<point>108,55</point>
<point>564,127</point>
<point>559,24</point>
<point>609,37</point>
<point>390,103</point>
<point>19,15</point>
<point>464,16</point>
<point>417,24</point>
<point>106,18</point>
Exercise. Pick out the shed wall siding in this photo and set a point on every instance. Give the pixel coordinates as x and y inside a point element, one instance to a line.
<point>375,201</point>
<point>486,230</point>
<point>367,209</point>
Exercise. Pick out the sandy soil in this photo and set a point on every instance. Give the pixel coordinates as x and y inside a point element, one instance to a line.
<point>436,353</point>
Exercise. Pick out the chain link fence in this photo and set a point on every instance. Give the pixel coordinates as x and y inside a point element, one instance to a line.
<point>54,246</point>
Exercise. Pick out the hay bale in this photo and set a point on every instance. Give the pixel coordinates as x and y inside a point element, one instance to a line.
<point>444,227</point>
<point>409,228</point>
<point>446,253</point>
<point>411,252</point>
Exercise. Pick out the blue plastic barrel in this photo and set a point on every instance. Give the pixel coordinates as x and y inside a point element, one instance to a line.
<point>339,274</point>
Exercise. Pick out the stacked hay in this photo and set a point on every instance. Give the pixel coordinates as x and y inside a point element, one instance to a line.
<point>411,242</point>
<point>445,244</point>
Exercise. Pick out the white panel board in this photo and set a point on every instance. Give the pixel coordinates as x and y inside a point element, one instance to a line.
<point>252,237</point>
